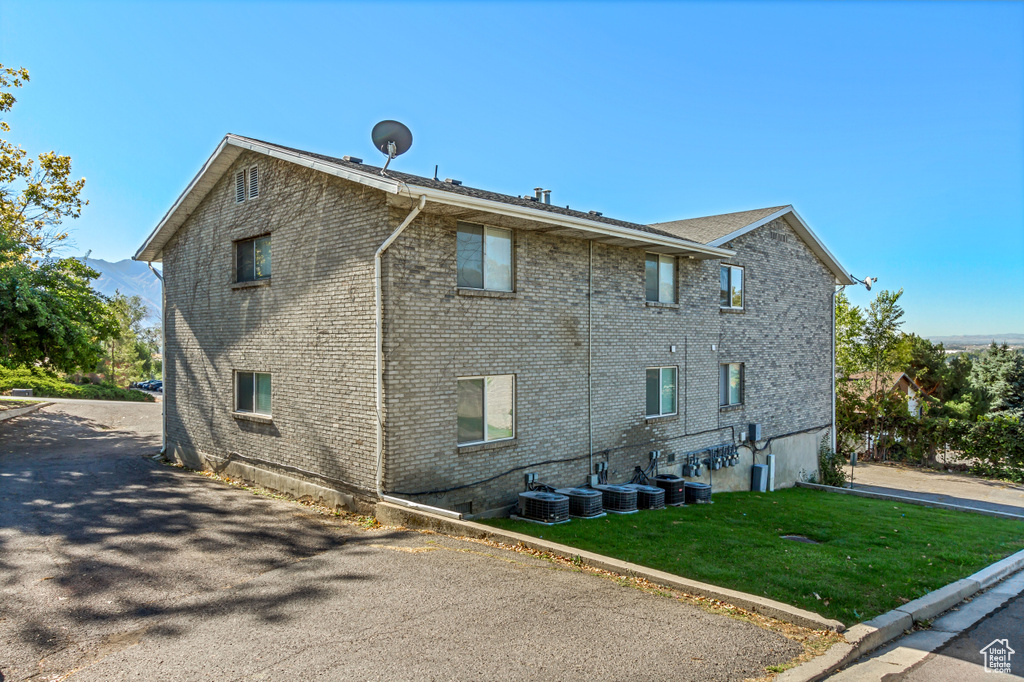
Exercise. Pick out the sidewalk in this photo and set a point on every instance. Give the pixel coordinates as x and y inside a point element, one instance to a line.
<point>937,486</point>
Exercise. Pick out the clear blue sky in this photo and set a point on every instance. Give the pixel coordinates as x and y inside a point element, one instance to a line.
<point>896,129</point>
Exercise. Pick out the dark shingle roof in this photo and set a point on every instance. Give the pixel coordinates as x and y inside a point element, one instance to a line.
<point>419,181</point>
<point>709,228</point>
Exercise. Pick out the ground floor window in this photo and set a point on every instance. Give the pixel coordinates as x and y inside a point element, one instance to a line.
<point>661,391</point>
<point>730,384</point>
<point>252,392</point>
<point>486,408</point>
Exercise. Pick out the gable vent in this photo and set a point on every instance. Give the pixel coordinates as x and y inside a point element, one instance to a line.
<point>240,187</point>
<point>254,182</point>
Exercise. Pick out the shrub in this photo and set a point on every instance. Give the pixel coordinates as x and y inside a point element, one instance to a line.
<point>49,385</point>
<point>830,465</point>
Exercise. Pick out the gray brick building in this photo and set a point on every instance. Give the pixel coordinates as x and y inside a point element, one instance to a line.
<point>514,336</point>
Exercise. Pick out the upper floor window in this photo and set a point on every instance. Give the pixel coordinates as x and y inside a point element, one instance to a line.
<point>252,259</point>
<point>661,278</point>
<point>661,391</point>
<point>730,384</point>
<point>247,184</point>
<point>731,294</point>
<point>486,408</point>
<point>484,257</point>
<point>252,392</point>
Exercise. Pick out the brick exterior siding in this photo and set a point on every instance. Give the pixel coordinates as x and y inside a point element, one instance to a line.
<point>312,328</point>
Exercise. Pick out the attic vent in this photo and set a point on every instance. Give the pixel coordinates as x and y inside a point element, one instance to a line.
<point>451,181</point>
<point>254,182</point>
<point>352,159</point>
<point>596,213</point>
<point>247,184</point>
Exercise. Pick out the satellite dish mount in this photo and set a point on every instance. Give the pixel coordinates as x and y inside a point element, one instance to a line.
<point>392,139</point>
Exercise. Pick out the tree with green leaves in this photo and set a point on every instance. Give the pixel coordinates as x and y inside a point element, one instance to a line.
<point>884,350</point>
<point>49,313</point>
<point>122,359</point>
<point>999,374</point>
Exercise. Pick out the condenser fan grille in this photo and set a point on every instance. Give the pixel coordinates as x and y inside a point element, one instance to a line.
<point>648,496</point>
<point>674,487</point>
<point>544,507</point>
<point>618,498</point>
<point>583,502</point>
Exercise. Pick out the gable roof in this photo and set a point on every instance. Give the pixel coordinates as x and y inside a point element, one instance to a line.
<point>887,381</point>
<point>570,222</point>
<point>717,230</point>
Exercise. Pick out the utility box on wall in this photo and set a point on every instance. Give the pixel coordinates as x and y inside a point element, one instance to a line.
<point>753,432</point>
<point>759,478</point>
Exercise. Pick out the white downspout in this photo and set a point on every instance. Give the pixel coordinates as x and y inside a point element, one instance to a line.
<point>163,358</point>
<point>379,367</point>
<point>590,359</point>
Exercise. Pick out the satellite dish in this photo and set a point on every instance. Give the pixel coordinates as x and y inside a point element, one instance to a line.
<point>392,139</point>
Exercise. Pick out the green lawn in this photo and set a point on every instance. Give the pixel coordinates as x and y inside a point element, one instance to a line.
<point>873,555</point>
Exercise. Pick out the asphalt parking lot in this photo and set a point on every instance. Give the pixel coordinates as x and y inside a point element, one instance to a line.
<point>116,567</point>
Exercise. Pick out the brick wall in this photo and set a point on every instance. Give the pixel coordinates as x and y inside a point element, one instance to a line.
<point>436,333</point>
<point>311,327</point>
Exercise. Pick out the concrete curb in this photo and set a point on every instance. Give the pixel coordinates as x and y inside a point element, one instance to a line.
<point>395,515</point>
<point>911,500</point>
<point>17,412</point>
<point>864,638</point>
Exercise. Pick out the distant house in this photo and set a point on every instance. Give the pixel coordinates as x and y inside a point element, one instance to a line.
<point>890,382</point>
<point>336,332</point>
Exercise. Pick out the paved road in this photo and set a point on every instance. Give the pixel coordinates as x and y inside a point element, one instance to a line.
<point>114,567</point>
<point>960,659</point>
<point>937,486</point>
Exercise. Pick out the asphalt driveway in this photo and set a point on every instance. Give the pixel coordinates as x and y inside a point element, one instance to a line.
<point>115,567</point>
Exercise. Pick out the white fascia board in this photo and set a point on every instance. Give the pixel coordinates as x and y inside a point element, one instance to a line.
<point>201,184</point>
<point>526,213</point>
<point>145,251</point>
<point>369,179</point>
<point>806,233</point>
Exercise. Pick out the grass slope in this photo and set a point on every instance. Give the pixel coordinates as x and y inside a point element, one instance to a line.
<point>873,556</point>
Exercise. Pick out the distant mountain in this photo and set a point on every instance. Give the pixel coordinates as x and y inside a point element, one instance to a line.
<point>979,339</point>
<point>131,278</point>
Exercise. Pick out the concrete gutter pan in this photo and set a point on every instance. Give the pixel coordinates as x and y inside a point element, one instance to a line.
<point>864,638</point>
<point>19,411</point>
<point>912,500</point>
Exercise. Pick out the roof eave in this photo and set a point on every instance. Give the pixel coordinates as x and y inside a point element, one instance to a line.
<point>231,146</point>
<point>804,230</point>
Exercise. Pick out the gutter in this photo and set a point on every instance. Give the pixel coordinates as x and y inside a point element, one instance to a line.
<point>163,358</point>
<point>378,374</point>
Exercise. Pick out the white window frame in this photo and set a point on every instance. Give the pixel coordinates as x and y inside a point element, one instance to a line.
<point>515,389</point>
<point>483,257</point>
<point>246,176</point>
<point>675,276</point>
<point>253,241</point>
<point>743,287</point>
<point>661,388</point>
<point>255,374</point>
<point>743,384</point>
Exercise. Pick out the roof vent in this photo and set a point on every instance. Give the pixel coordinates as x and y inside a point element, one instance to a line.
<point>542,195</point>
<point>597,213</point>
<point>451,181</point>
<point>352,159</point>
<point>529,197</point>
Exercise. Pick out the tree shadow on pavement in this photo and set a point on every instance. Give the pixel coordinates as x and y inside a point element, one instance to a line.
<point>96,538</point>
